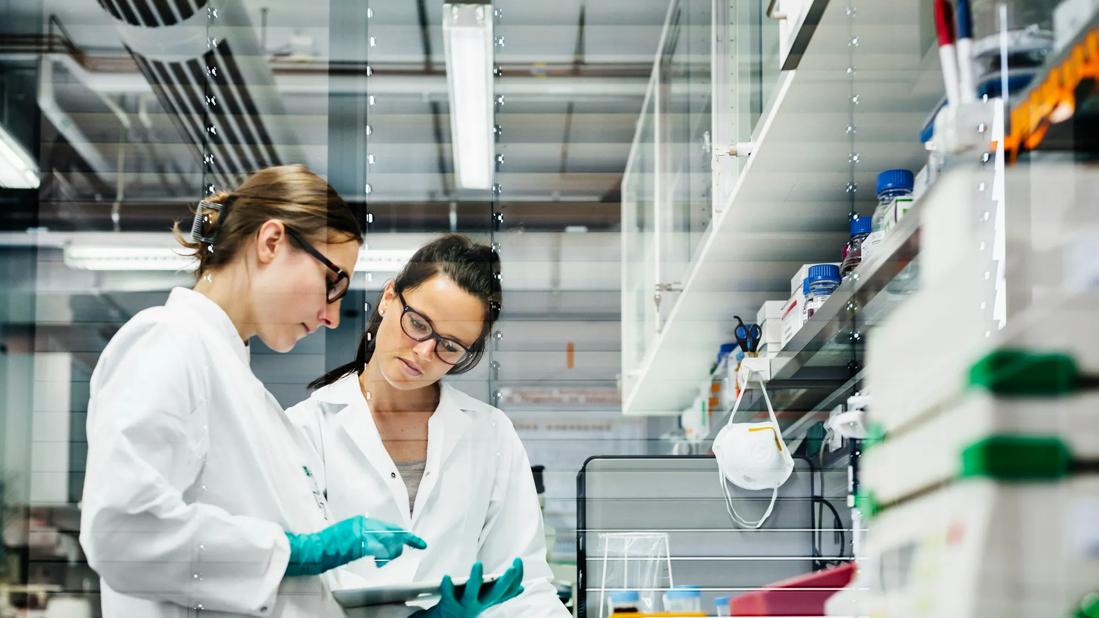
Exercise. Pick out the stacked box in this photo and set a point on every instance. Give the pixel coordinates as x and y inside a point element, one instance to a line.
<point>981,494</point>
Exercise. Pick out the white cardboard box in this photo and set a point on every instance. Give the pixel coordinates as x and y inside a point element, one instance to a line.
<point>769,319</point>
<point>770,310</point>
<point>793,316</point>
<point>803,272</point>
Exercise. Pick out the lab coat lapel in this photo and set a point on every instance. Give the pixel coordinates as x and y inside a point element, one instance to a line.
<point>445,430</point>
<point>356,428</point>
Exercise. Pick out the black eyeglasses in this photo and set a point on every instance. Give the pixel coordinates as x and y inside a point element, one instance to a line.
<point>418,327</point>
<point>337,282</point>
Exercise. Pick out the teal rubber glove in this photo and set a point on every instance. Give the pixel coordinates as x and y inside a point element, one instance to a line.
<point>346,541</point>
<point>474,600</point>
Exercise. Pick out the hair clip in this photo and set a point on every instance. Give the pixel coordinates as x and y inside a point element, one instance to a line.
<point>202,222</point>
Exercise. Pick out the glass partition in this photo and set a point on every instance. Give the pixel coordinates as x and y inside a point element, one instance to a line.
<point>716,68</point>
<point>639,283</point>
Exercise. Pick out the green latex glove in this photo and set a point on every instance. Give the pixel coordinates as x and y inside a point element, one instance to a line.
<point>474,600</point>
<point>346,541</point>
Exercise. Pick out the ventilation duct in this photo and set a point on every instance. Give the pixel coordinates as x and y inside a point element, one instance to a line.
<point>210,74</point>
<point>154,13</point>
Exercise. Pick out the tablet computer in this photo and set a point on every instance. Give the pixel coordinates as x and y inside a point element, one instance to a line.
<point>399,593</point>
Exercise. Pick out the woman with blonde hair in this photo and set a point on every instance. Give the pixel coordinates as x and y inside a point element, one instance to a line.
<point>198,497</point>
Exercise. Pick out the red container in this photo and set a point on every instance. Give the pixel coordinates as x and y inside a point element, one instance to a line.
<point>804,595</point>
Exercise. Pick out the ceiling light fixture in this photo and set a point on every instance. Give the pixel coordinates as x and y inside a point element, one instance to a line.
<point>467,40</point>
<point>17,168</point>
<point>127,258</point>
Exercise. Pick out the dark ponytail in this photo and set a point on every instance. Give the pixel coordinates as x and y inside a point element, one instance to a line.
<point>473,266</point>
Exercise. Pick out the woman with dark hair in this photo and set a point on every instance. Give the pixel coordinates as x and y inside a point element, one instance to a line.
<point>394,441</point>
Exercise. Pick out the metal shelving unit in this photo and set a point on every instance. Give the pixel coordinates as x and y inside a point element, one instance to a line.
<point>789,207</point>
<point>889,273</point>
<point>813,373</point>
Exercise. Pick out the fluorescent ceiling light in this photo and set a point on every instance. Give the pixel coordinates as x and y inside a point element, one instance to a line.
<point>127,258</point>
<point>467,40</point>
<point>17,168</point>
<point>118,258</point>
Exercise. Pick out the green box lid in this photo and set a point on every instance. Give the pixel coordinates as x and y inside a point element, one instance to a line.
<point>1021,373</point>
<point>867,503</point>
<point>1017,458</point>
<point>1088,607</point>
<point>875,433</point>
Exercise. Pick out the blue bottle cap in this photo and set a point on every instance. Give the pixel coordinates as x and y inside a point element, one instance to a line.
<point>725,350</point>
<point>861,225</point>
<point>891,180</point>
<point>824,272</point>
<point>722,602</point>
<point>625,596</point>
<point>683,592</point>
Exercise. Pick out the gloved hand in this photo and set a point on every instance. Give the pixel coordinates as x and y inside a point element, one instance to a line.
<point>474,600</point>
<point>346,541</point>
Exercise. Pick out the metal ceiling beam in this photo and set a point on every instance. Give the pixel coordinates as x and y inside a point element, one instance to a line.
<point>120,75</point>
<point>150,215</point>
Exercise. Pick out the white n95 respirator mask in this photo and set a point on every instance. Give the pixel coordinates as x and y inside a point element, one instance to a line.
<point>752,456</point>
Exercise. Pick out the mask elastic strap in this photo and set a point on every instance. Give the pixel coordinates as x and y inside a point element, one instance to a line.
<point>770,408</point>
<point>729,508</point>
<point>766,399</point>
<point>739,397</point>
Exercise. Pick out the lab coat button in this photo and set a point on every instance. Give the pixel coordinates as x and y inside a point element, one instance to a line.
<point>392,475</point>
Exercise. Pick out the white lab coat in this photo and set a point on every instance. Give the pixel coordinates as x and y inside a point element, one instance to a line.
<point>194,473</point>
<point>476,500</point>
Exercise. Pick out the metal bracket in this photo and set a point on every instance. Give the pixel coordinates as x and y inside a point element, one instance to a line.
<point>739,149</point>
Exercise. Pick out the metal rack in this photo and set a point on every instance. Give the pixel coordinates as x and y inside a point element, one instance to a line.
<point>814,372</point>
<point>771,225</point>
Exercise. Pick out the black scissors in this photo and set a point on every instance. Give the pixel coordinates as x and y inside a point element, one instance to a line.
<point>748,336</point>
